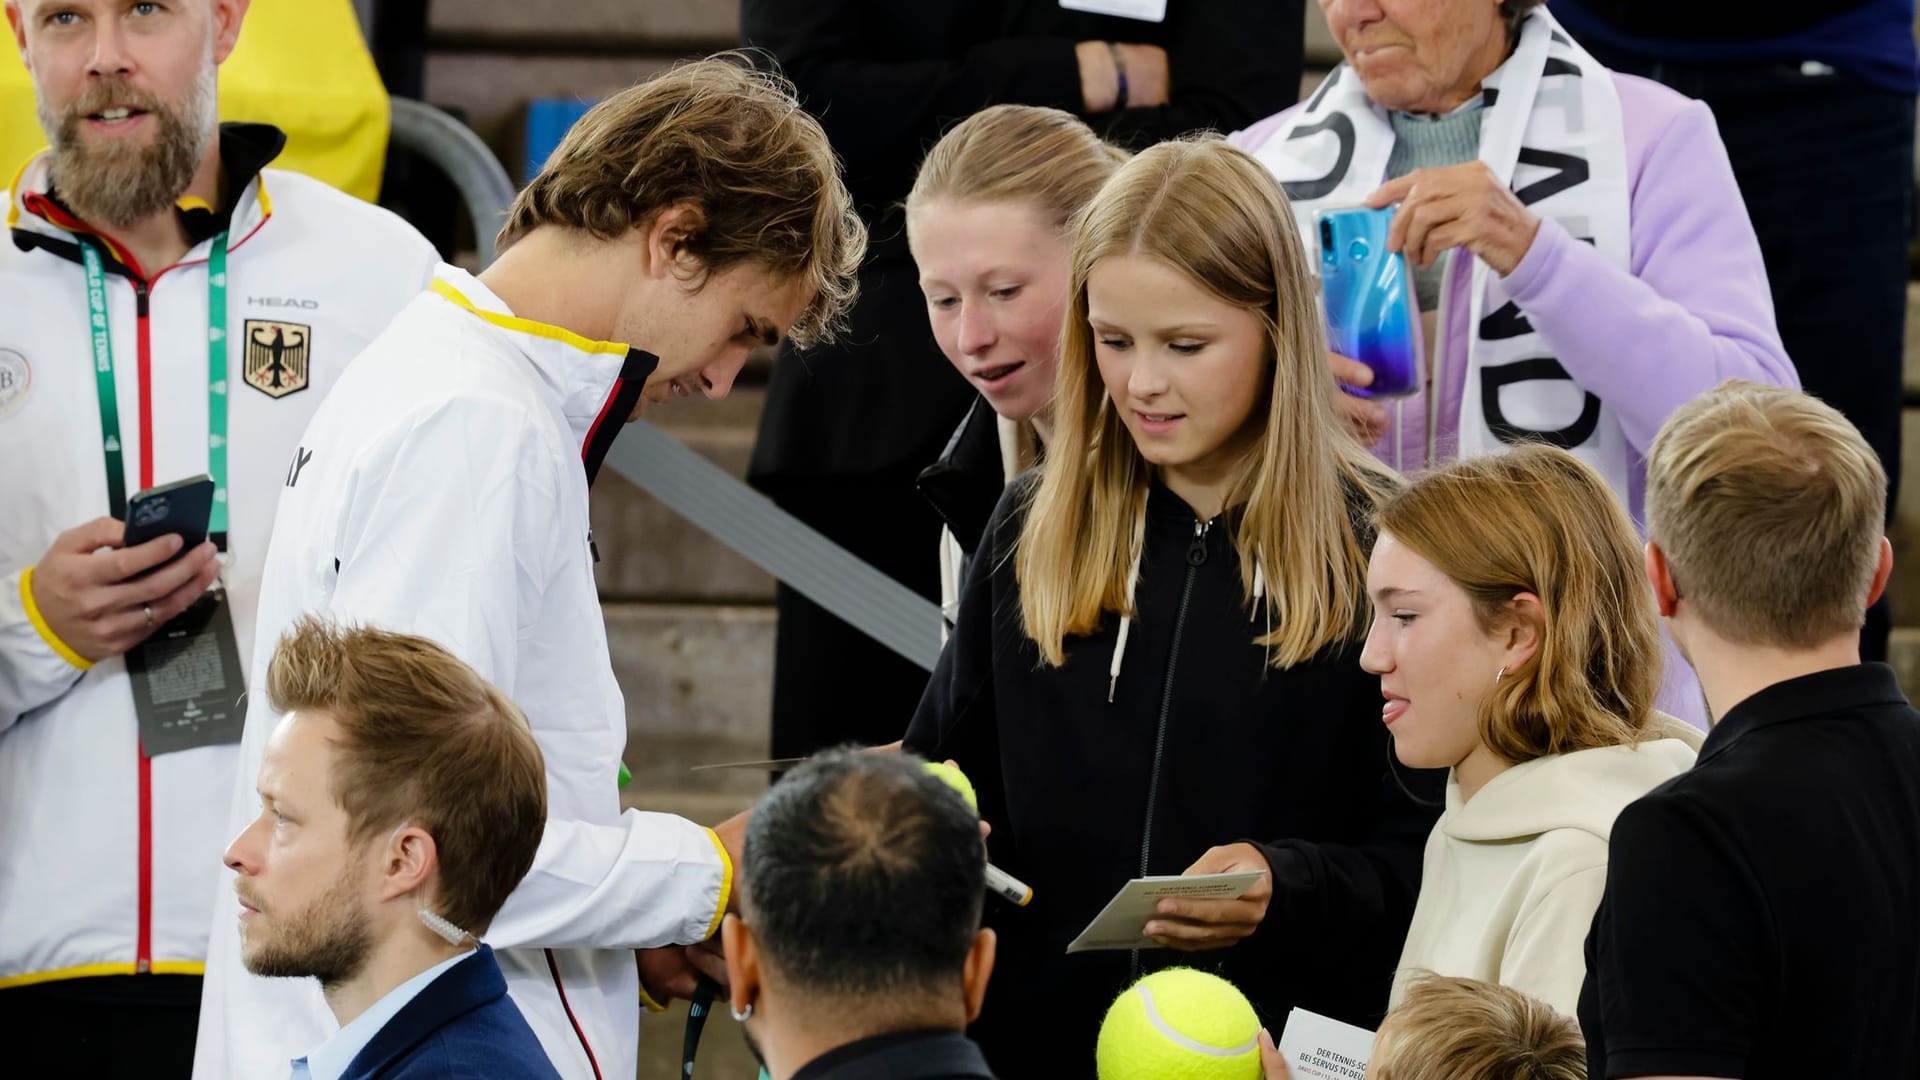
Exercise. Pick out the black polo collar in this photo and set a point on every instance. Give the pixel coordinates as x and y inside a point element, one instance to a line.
<point>901,1055</point>
<point>1822,693</point>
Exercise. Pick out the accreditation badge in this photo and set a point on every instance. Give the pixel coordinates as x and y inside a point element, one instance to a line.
<point>187,685</point>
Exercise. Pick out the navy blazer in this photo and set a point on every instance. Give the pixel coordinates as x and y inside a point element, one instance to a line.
<point>462,1025</point>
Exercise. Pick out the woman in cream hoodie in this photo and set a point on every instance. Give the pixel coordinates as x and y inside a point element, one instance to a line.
<point>1516,644</point>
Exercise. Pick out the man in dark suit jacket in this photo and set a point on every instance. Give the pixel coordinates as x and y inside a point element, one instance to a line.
<point>460,1024</point>
<point>858,953</point>
<point>402,799</point>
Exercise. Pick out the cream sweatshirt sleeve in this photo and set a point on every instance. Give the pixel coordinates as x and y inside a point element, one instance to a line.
<point>1546,950</point>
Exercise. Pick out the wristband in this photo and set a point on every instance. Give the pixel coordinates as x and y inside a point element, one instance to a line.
<point>1119,70</point>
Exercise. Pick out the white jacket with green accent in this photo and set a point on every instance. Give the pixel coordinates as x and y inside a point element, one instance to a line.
<point>108,860</point>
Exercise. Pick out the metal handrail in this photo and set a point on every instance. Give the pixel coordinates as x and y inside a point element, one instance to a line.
<point>453,147</point>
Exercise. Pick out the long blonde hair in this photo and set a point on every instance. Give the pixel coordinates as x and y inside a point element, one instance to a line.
<point>1213,213</point>
<point>1539,520</point>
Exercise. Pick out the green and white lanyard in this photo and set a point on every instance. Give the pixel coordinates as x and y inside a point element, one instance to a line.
<point>216,382</point>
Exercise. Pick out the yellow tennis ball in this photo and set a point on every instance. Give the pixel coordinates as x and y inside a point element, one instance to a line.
<point>956,780</point>
<point>1180,1024</point>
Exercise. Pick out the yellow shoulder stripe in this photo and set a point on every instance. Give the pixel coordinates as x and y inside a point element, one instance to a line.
<point>527,326</point>
<point>15,197</point>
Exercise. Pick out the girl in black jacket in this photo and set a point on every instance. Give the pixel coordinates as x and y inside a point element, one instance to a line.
<point>848,426</point>
<point>1156,667</point>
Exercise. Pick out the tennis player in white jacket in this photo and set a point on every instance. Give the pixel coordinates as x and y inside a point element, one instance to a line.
<point>442,490</point>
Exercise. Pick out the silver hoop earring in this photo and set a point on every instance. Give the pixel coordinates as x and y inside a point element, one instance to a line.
<point>1501,674</point>
<point>738,1014</point>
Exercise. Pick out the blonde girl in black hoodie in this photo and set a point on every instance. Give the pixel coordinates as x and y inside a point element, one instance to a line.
<point>1155,668</point>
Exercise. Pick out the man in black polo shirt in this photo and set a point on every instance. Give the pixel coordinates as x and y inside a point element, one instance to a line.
<point>1762,912</point>
<point>857,953</point>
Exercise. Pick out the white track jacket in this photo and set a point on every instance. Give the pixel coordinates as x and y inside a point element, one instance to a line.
<point>440,491</point>
<point>108,860</point>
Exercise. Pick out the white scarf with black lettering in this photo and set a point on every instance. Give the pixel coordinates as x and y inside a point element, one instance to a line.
<point>1553,133</point>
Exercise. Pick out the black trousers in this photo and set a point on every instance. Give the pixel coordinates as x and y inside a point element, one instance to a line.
<point>833,684</point>
<point>1825,162</point>
<point>107,1026</point>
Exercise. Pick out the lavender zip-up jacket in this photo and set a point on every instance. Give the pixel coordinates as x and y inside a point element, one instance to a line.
<point>1695,309</point>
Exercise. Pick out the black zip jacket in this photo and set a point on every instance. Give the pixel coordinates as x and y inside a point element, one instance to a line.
<point>964,483</point>
<point>1203,744</point>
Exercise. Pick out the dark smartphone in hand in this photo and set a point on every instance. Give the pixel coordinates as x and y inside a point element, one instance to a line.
<point>183,508</point>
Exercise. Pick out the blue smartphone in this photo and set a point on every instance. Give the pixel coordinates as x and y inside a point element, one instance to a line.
<point>1373,313</point>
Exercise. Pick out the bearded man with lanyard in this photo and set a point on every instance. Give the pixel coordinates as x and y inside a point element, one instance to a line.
<point>1582,254</point>
<point>171,308</point>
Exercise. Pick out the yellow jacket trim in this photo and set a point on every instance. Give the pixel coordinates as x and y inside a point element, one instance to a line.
<point>39,622</point>
<point>528,326</point>
<point>726,883</point>
<point>85,971</point>
<point>13,191</point>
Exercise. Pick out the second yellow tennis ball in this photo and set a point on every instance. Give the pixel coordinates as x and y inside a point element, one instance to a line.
<point>957,780</point>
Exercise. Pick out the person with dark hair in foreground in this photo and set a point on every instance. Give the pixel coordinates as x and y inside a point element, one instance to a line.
<point>858,950</point>
<point>401,799</point>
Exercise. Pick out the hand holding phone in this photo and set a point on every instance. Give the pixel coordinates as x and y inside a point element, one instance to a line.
<point>1373,313</point>
<point>182,508</point>
<point>104,587</point>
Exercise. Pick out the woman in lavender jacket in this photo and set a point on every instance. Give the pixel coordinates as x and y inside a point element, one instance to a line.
<point>1582,252</point>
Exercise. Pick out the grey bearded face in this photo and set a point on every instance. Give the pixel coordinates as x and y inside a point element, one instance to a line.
<point>115,183</point>
<point>329,939</point>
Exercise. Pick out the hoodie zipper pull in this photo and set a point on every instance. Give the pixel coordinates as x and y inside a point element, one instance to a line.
<point>1197,551</point>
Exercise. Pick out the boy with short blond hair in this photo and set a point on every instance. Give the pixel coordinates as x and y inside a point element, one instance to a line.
<point>1465,1029</point>
<point>1758,919</point>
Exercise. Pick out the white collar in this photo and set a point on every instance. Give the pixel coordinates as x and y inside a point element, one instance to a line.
<point>579,371</point>
<point>251,209</point>
<point>331,1059</point>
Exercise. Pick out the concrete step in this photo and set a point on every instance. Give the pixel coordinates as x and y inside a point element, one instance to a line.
<point>1904,590</point>
<point>653,26</point>
<point>1911,374</point>
<point>491,89</point>
<point>1903,654</point>
<point>723,1046</point>
<point>648,552</point>
<point>698,681</point>
<point>1322,51</point>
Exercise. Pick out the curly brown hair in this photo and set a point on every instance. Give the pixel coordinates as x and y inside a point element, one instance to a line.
<point>732,140</point>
